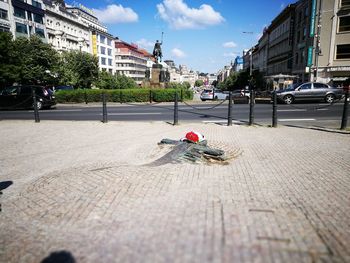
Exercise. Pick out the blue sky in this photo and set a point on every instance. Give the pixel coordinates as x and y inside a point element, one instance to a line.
<point>204,35</point>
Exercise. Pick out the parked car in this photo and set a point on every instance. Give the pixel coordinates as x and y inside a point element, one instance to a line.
<point>213,94</point>
<point>309,91</point>
<point>21,97</point>
<point>64,87</point>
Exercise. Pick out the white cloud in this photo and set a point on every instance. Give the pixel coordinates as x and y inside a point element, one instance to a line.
<point>178,53</point>
<point>180,16</point>
<point>230,44</point>
<point>115,14</point>
<point>144,43</point>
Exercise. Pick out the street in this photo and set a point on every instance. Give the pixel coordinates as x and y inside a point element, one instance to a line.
<point>311,114</point>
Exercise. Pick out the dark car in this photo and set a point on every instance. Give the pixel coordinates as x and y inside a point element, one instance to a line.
<point>65,87</point>
<point>309,91</point>
<point>21,97</point>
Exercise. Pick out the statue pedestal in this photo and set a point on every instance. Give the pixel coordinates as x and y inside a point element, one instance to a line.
<point>155,80</point>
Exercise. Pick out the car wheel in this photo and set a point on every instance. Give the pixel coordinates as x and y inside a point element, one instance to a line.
<point>330,98</point>
<point>39,105</point>
<point>202,100</point>
<point>288,99</point>
<point>216,97</point>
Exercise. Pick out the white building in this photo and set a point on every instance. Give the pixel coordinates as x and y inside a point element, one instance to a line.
<point>66,31</point>
<point>5,25</point>
<point>130,61</point>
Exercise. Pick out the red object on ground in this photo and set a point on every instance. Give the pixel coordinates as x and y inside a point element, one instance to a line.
<point>194,137</point>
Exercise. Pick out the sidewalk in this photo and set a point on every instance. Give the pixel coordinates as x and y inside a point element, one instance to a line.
<point>86,190</point>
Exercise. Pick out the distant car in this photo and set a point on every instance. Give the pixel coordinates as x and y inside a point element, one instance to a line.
<point>65,87</point>
<point>309,91</point>
<point>213,94</point>
<point>21,97</point>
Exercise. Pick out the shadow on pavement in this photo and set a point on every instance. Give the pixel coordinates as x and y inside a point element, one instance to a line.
<point>5,184</point>
<point>59,257</point>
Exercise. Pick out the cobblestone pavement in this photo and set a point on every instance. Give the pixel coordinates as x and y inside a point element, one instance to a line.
<point>87,189</point>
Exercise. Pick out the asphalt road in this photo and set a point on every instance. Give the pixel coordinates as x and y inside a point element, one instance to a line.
<point>315,114</point>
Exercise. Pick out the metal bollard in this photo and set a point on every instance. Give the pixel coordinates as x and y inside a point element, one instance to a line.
<point>274,109</point>
<point>176,110</point>
<point>85,97</point>
<point>150,96</point>
<point>36,111</point>
<point>251,107</point>
<point>344,119</point>
<point>104,108</point>
<point>229,119</point>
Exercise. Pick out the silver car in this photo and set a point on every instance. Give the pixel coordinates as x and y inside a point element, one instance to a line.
<point>309,91</point>
<point>213,94</point>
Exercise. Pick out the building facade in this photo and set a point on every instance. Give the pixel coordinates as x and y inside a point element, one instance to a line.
<point>5,25</point>
<point>26,18</point>
<point>130,61</point>
<point>66,31</point>
<point>331,55</point>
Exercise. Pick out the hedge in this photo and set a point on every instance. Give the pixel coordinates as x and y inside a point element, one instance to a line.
<point>121,95</point>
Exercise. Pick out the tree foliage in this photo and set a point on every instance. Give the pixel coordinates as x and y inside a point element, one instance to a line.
<point>108,81</point>
<point>198,83</point>
<point>24,60</point>
<point>78,69</point>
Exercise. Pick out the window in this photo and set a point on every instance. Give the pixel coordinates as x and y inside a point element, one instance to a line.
<point>343,51</point>
<point>110,62</point>
<point>320,86</point>
<point>297,58</point>
<point>305,86</point>
<point>21,28</point>
<point>18,12</point>
<point>103,50</point>
<point>103,61</point>
<point>304,32</point>
<point>4,29</point>
<point>344,24</point>
<point>38,18</point>
<point>36,4</point>
<point>102,39</point>
<point>109,42</point>
<point>345,3</point>
<point>29,16</point>
<point>40,32</point>
<point>3,14</point>
<point>109,52</point>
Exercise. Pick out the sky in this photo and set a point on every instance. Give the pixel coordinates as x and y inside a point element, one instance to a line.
<point>203,35</point>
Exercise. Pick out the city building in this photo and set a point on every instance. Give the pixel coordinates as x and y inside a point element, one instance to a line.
<point>330,60</point>
<point>66,30</point>
<point>25,18</point>
<point>130,61</point>
<point>5,25</point>
<point>237,64</point>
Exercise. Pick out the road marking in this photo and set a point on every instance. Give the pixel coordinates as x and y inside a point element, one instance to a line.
<point>220,121</point>
<point>291,110</point>
<point>53,111</point>
<point>296,119</point>
<point>321,109</point>
<point>135,113</point>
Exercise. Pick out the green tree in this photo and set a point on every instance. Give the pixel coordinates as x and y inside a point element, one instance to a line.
<point>79,69</point>
<point>106,80</point>
<point>198,83</point>
<point>124,82</point>
<point>36,61</point>
<point>8,71</point>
